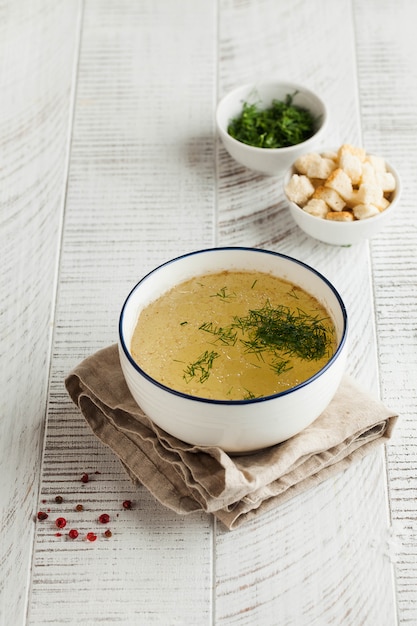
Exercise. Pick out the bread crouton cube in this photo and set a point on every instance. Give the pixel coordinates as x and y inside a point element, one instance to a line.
<point>353,199</point>
<point>386,181</point>
<point>330,155</point>
<point>352,165</point>
<point>369,194</point>
<point>302,163</point>
<point>340,182</point>
<point>368,174</point>
<point>384,204</point>
<point>347,148</point>
<point>363,211</point>
<point>316,207</point>
<point>378,163</point>
<point>330,197</point>
<point>320,168</point>
<point>299,189</point>
<point>314,165</point>
<point>340,216</point>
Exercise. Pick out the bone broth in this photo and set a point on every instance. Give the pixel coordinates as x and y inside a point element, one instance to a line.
<point>233,335</point>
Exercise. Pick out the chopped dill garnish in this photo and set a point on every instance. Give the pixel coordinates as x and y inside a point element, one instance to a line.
<point>248,395</point>
<point>254,283</point>
<point>223,295</point>
<point>280,125</point>
<point>183,323</point>
<point>279,329</point>
<point>293,293</point>
<point>226,335</point>
<point>279,366</point>
<point>201,367</point>
<point>275,331</point>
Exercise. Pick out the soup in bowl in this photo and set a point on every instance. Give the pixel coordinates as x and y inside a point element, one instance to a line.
<point>239,348</point>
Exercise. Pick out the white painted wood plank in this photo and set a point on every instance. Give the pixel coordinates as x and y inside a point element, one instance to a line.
<point>141,190</point>
<point>312,568</point>
<point>387,65</point>
<point>313,560</point>
<point>38,47</point>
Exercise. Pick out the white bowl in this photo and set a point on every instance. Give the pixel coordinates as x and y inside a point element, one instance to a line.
<point>240,425</point>
<point>269,161</point>
<point>344,233</point>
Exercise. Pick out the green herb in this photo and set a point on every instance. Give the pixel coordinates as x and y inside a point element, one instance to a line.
<point>279,329</point>
<point>223,295</point>
<point>293,293</point>
<point>279,366</point>
<point>226,335</point>
<point>183,323</point>
<point>278,126</point>
<point>201,367</point>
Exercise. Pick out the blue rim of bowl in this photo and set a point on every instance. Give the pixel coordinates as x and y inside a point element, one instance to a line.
<point>250,400</point>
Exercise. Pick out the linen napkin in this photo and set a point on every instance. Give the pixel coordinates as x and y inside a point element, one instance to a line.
<point>189,478</point>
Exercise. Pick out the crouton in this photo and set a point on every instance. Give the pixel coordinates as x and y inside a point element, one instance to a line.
<point>386,181</point>
<point>321,168</point>
<point>340,216</point>
<point>314,165</point>
<point>363,211</point>
<point>330,155</point>
<point>368,174</point>
<point>352,200</point>
<point>378,163</point>
<point>347,148</point>
<point>369,194</point>
<point>340,182</point>
<point>330,197</point>
<point>352,165</point>
<point>315,207</point>
<point>384,204</point>
<point>302,163</point>
<point>299,189</point>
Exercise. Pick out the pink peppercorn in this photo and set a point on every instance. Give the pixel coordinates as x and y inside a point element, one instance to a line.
<point>73,534</point>
<point>127,504</point>
<point>91,536</point>
<point>84,478</point>
<point>104,518</point>
<point>42,515</point>
<point>60,522</point>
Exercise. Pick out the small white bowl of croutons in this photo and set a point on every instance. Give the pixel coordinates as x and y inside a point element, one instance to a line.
<point>342,196</point>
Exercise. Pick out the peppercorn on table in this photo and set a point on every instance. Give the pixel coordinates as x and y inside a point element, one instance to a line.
<point>110,165</point>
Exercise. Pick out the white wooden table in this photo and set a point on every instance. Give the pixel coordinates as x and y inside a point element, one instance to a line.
<point>110,165</point>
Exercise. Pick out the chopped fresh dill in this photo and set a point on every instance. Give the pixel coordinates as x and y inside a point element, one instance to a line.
<point>280,125</point>
<point>254,283</point>
<point>279,366</point>
<point>293,293</point>
<point>248,395</point>
<point>279,329</point>
<point>200,369</point>
<point>183,323</point>
<point>226,335</point>
<point>223,295</point>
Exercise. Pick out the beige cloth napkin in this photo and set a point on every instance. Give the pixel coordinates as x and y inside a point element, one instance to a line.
<point>189,478</point>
